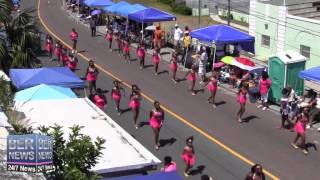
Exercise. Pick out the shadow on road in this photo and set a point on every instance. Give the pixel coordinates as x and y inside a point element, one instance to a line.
<point>198,170</point>
<point>164,142</point>
<point>249,118</point>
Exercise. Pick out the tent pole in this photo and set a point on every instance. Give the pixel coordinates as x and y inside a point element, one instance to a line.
<point>142,38</point>
<point>214,55</point>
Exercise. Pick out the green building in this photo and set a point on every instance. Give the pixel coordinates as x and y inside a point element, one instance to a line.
<point>280,25</point>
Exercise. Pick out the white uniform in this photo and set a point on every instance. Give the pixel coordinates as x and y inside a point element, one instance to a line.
<point>202,63</point>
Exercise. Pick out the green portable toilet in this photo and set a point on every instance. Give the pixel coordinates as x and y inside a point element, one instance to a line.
<point>283,71</point>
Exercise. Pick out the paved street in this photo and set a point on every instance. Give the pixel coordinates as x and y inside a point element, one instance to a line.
<point>258,140</point>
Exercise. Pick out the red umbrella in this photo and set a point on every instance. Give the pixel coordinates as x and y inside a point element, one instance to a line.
<point>245,61</point>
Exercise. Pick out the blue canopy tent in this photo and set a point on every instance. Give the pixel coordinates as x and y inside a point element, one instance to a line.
<point>44,92</point>
<point>98,3</point>
<point>312,74</point>
<point>113,8</point>
<point>60,76</point>
<point>150,15</point>
<point>156,176</point>
<point>222,34</point>
<point>129,9</point>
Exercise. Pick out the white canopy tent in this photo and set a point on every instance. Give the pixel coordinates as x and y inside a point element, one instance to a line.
<point>122,152</point>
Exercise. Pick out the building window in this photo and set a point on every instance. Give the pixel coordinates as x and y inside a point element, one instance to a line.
<point>305,51</point>
<point>265,41</point>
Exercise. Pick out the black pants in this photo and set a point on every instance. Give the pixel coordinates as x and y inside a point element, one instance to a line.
<point>93,31</point>
<point>74,44</point>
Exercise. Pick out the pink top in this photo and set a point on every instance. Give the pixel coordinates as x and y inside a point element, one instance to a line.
<point>213,85</point>
<point>116,94</point>
<point>171,167</point>
<point>99,101</point>
<point>242,97</point>
<point>73,36</point>
<point>72,64</point>
<point>264,86</point>
<point>92,74</point>
<point>141,51</point>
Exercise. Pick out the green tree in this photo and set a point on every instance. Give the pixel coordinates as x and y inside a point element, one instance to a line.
<point>22,37</point>
<point>73,158</point>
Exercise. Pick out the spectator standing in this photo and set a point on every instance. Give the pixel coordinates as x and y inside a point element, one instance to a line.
<point>93,26</point>
<point>177,36</point>
<point>202,64</point>
<point>157,37</point>
<point>186,46</point>
<point>265,84</point>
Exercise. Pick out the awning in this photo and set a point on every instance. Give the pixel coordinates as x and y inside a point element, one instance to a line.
<point>312,74</point>
<point>129,9</point>
<point>113,8</point>
<point>44,92</point>
<point>60,76</point>
<point>222,34</point>
<point>150,15</point>
<point>98,3</point>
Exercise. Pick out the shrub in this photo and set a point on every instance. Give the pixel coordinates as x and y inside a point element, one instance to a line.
<point>169,2</point>
<point>75,156</point>
<point>182,9</point>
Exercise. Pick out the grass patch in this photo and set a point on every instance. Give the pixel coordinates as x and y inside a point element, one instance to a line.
<point>182,20</point>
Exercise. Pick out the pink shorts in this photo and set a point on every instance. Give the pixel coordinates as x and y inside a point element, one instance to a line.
<point>155,59</point>
<point>134,105</point>
<point>174,66</point>
<point>116,97</point>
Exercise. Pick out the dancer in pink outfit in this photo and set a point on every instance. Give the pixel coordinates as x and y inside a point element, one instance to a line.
<point>57,50</point>
<point>169,165</point>
<point>242,100</point>
<point>49,45</point>
<point>174,66</point>
<point>72,62</point>
<point>134,104</point>
<point>116,95</point>
<point>126,49</point>
<point>156,59</point>
<point>141,53</point>
<point>188,156</point>
<point>91,76</point>
<point>156,121</point>
<point>109,37</point>
<point>192,79</point>
<point>100,100</point>
<point>212,86</point>
<point>300,129</point>
<point>74,38</point>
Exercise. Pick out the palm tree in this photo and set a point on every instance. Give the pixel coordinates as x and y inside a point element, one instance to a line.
<point>21,36</point>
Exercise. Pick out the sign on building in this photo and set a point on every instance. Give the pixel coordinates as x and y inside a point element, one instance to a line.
<point>29,153</point>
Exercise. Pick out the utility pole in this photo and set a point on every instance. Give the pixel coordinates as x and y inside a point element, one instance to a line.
<point>199,13</point>
<point>229,15</point>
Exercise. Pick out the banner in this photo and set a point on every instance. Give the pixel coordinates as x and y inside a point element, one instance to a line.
<point>29,153</point>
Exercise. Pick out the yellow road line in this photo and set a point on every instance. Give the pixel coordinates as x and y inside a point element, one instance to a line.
<point>190,124</point>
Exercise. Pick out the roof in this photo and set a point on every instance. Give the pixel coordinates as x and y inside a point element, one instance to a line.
<point>129,9</point>
<point>149,15</point>
<point>60,76</point>
<point>98,3</point>
<point>223,34</point>
<point>113,8</point>
<point>287,2</point>
<point>122,152</point>
<point>44,92</point>
<point>289,57</point>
